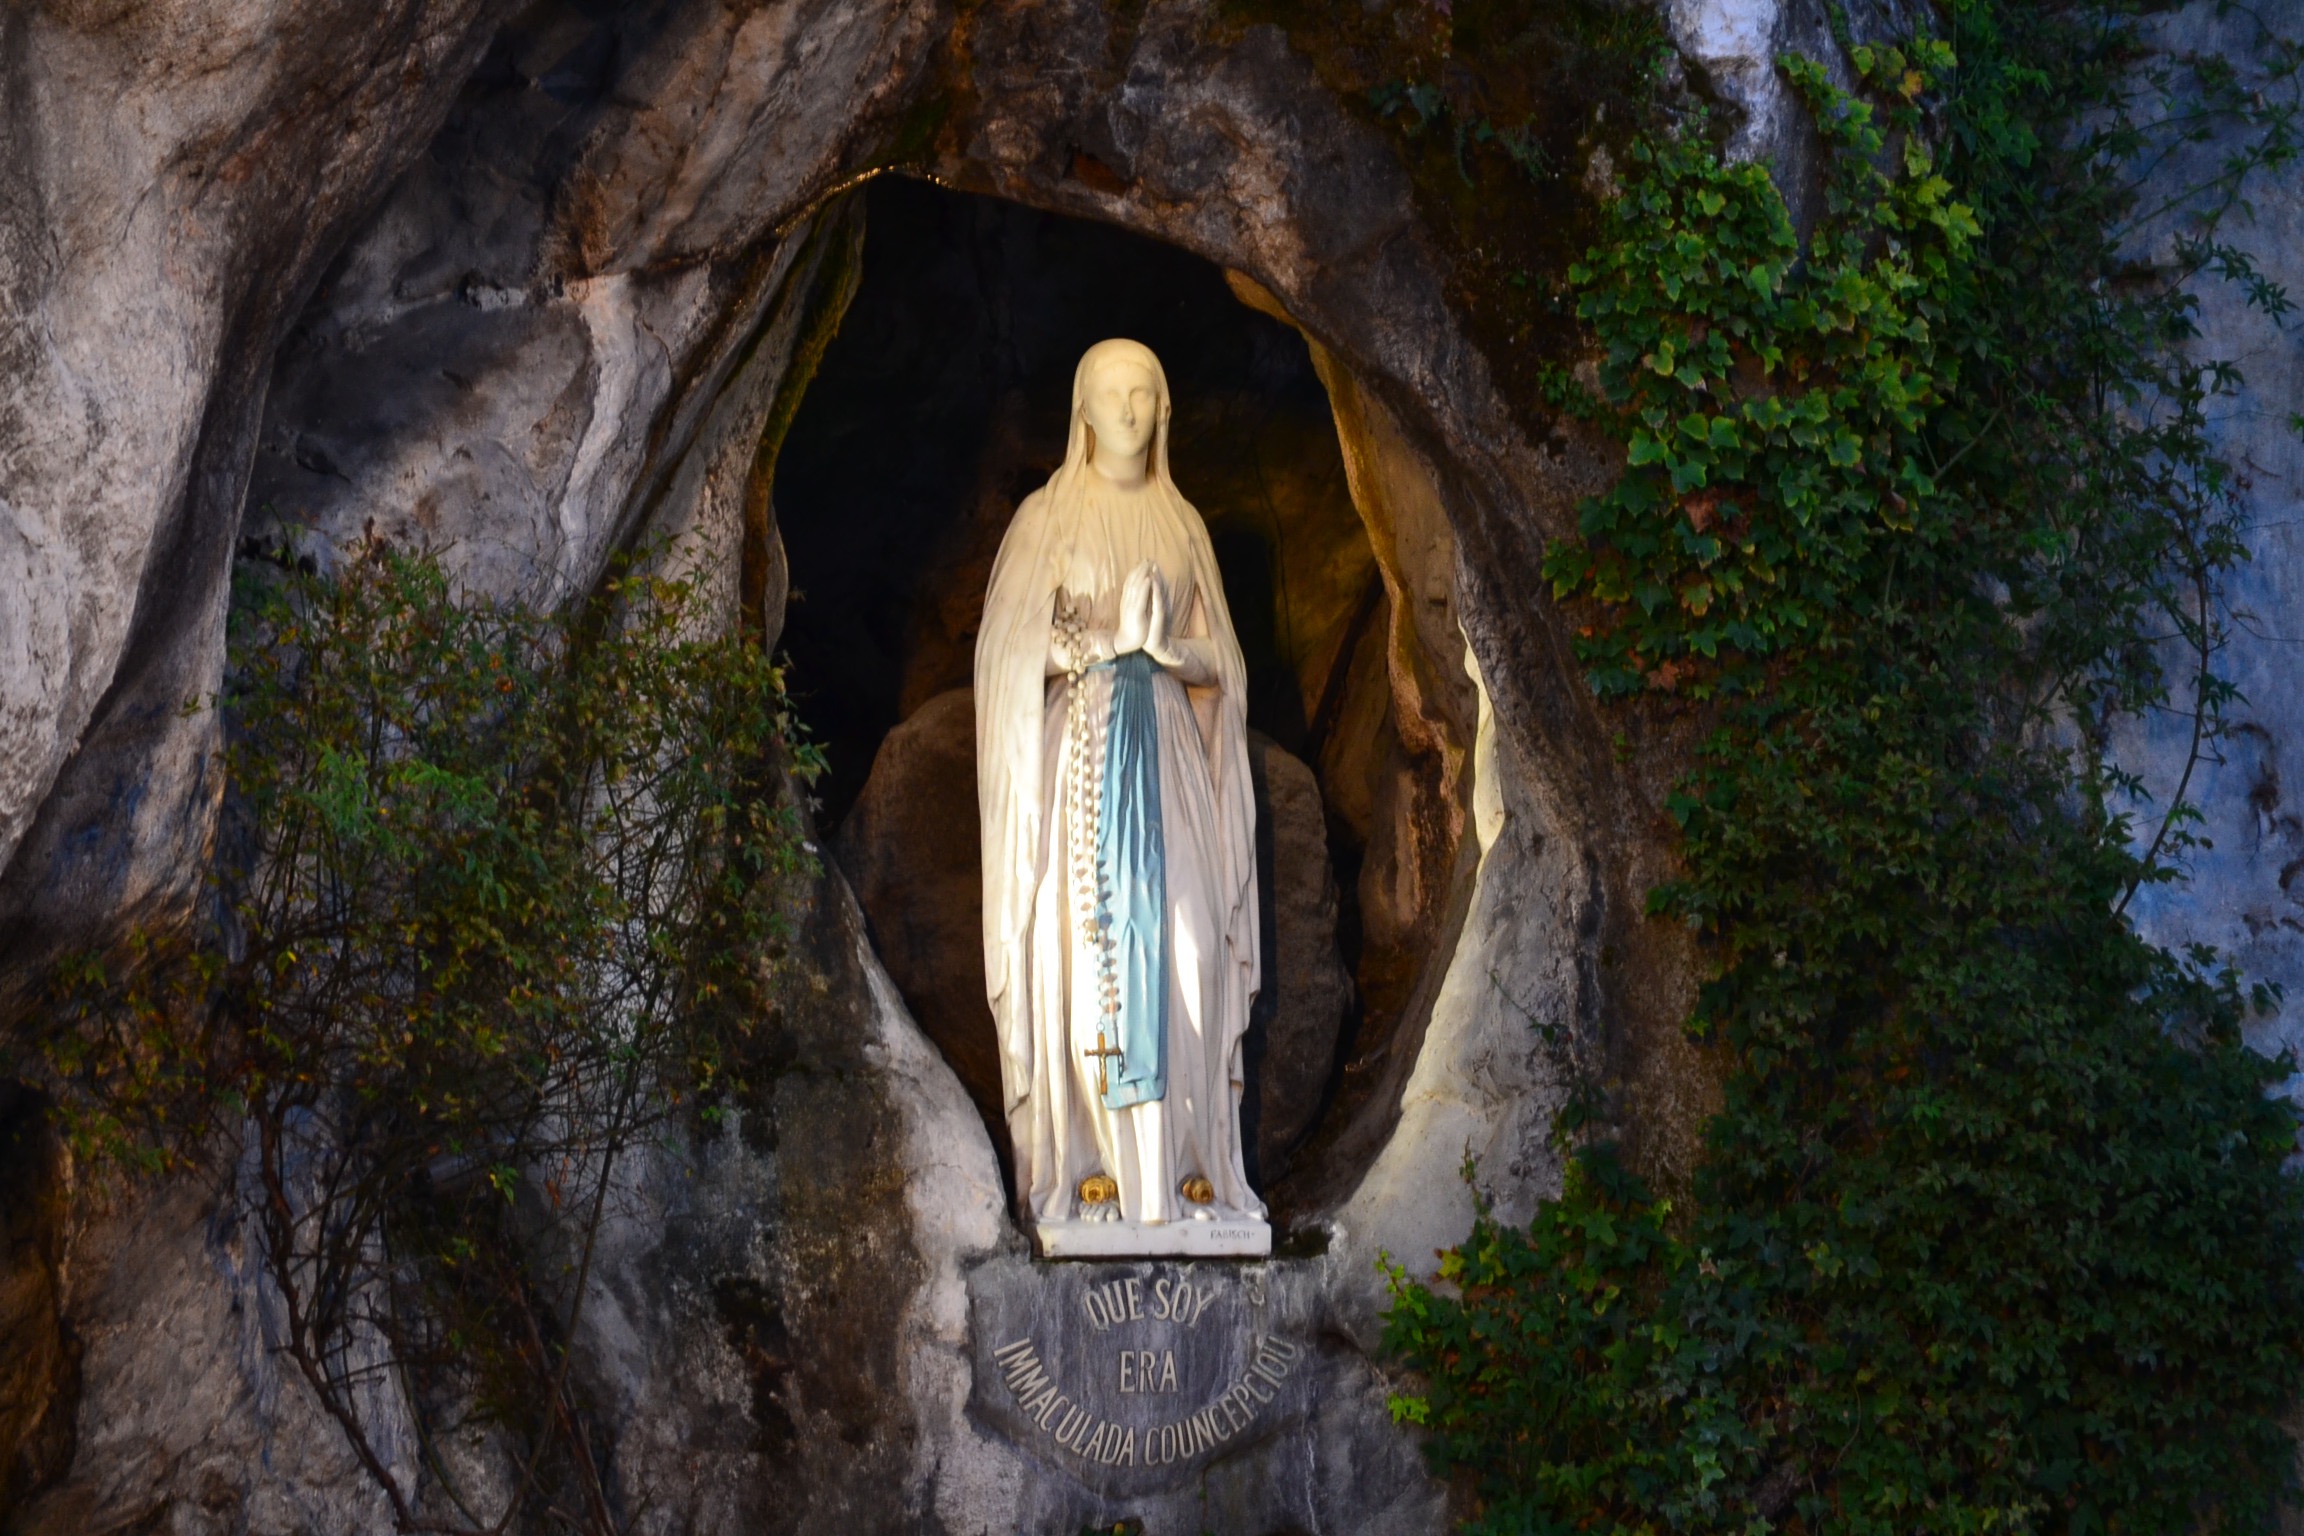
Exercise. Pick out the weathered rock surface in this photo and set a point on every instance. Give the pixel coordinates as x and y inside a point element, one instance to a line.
<point>2244,896</point>
<point>191,1420</point>
<point>566,327</point>
<point>176,176</point>
<point>1305,994</point>
<point>763,1339</point>
<point>768,1341</point>
<point>911,850</point>
<point>1495,1064</point>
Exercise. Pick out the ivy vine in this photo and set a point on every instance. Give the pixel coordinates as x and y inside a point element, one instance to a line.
<point>1992,1232</point>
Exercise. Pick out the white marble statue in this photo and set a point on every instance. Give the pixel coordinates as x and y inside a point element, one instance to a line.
<point>1120,925</point>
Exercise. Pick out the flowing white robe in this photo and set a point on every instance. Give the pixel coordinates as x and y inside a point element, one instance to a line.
<point>1082,535</point>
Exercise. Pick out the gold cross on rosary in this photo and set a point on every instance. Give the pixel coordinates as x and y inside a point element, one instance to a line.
<point>1103,1054</point>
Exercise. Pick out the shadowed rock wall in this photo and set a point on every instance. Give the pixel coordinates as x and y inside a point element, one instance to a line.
<point>177,175</point>
<point>2245,896</point>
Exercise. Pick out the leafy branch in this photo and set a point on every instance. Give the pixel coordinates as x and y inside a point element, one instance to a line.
<point>495,898</point>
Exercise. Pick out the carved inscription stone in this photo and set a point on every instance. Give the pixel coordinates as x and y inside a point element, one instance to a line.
<point>1135,1377</point>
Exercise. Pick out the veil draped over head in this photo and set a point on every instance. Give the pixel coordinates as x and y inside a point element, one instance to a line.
<point>1011,686</point>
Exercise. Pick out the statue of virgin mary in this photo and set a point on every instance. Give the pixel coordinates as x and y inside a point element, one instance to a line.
<point>1120,924</point>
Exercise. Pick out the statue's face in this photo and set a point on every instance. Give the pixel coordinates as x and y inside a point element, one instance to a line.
<point>1122,406</point>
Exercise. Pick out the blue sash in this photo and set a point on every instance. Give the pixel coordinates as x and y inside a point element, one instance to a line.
<point>1132,861</point>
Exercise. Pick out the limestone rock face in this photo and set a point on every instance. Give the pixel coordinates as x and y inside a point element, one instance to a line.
<point>176,176</point>
<point>769,1337</point>
<point>191,1419</point>
<point>567,326</point>
<point>2244,896</point>
<point>772,1320</point>
<point>1306,992</point>
<point>910,849</point>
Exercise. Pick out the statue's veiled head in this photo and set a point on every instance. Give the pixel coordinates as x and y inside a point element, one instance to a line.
<point>1120,411</point>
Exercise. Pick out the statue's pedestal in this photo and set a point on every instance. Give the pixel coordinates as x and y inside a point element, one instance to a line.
<point>1231,1237</point>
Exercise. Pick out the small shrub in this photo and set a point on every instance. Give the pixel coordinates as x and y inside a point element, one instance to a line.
<point>494,899</point>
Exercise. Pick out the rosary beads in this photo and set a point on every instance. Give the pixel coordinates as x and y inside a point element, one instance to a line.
<point>1085,732</point>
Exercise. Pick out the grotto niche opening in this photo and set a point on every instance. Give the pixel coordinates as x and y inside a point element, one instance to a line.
<point>939,404</point>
